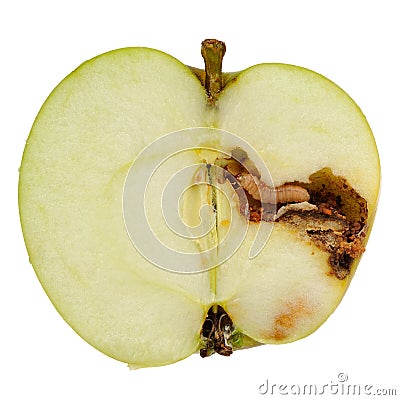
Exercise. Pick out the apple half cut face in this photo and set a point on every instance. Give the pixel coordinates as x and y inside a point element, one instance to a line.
<point>169,210</point>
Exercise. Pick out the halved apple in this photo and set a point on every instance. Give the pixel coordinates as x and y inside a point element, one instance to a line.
<point>276,152</point>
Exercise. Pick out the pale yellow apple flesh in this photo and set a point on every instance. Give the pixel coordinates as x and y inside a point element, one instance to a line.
<point>77,157</point>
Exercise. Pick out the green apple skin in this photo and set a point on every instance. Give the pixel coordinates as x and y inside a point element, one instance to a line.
<point>78,154</point>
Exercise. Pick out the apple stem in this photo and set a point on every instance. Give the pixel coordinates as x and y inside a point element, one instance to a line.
<point>213,52</point>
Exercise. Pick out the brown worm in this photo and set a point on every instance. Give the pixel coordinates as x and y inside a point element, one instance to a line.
<point>259,190</point>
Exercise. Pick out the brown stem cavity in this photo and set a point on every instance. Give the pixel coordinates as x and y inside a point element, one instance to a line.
<point>326,210</point>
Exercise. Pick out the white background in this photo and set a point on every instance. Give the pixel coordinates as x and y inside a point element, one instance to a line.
<point>354,43</point>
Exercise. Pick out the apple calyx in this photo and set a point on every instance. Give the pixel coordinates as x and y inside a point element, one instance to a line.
<point>217,333</point>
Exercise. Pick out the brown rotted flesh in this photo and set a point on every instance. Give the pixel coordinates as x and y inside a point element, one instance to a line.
<point>337,225</point>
